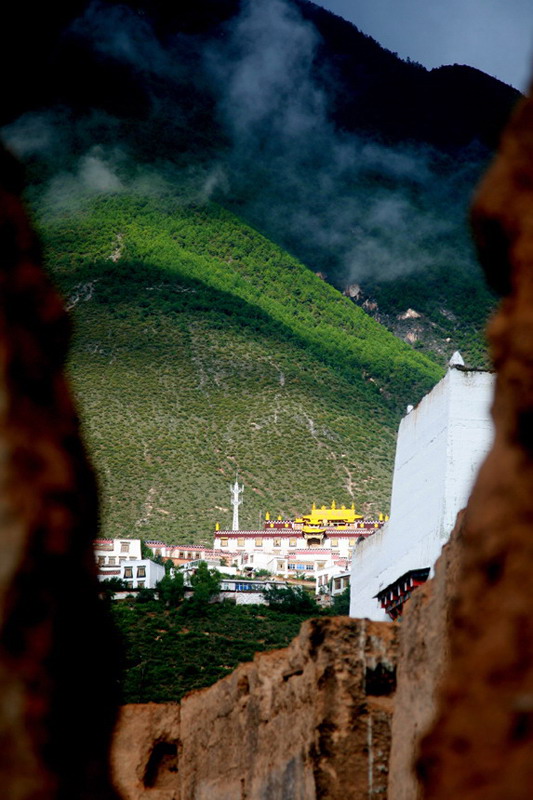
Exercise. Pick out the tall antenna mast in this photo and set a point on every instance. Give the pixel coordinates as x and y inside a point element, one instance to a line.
<point>236,501</point>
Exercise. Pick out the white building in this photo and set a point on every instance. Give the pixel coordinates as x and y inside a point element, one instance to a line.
<point>184,553</point>
<point>295,564</point>
<point>110,554</point>
<point>305,546</point>
<point>440,446</point>
<point>333,579</point>
<point>190,568</point>
<point>122,558</point>
<point>143,574</point>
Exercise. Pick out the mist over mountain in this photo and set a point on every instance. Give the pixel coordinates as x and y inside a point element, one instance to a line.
<point>357,162</point>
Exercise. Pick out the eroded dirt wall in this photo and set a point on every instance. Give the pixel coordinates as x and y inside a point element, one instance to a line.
<point>481,744</point>
<point>310,721</point>
<point>424,644</point>
<point>57,682</point>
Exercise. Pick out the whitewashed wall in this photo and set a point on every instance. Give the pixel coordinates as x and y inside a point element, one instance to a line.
<point>118,550</point>
<point>441,444</point>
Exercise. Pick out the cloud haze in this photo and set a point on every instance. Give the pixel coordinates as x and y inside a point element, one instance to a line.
<point>346,205</point>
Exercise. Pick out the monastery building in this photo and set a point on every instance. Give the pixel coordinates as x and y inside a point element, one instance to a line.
<point>318,544</point>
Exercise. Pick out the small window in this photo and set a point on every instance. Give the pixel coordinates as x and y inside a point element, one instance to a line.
<point>291,566</point>
<point>101,560</point>
<point>224,541</point>
<point>334,542</point>
<point>259,543</point>
<point>277,542</point>
<point>292,542</point>
<point>309,566</point>
<point>128,572</point>
<point>182,554</point>
<point>122,559</point>
<point>112,560</point>
<point>141,572</point>
<point>140,584</point>
<point>280,565</point>
<point>129,584</point>
<point>240,542</point>
<point>321,565</point>
<point>124,547</point>
<point>351,542</point>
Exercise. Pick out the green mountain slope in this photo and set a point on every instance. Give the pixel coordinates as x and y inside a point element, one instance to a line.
<point>446,310</point>
<point>201,349</point>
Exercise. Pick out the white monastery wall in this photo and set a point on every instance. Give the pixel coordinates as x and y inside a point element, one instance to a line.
<point>470,436</point>
<point>441,444</point>
<point>115,551</point>
<point>279,543</point>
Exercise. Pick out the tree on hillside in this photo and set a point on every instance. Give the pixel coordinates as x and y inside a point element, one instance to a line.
<point>341,603</point>
<point>171,589</point>
<point>205,583</point>
<point>110,586</point>
<point>293,600</point>
<point>262,573</point>
<point>146,551</point>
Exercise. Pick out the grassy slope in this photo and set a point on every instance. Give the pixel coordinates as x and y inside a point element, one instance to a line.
<point>204,348</point>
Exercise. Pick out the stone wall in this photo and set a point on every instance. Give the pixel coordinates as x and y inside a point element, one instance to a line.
<point>310,721</point>
<point>424,644</point>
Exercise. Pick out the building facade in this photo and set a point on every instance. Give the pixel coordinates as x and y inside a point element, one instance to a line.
<point>142,574</point>
<point>304,543</point>
<point>440,446</point>
<point>122,558</point>
<point>184,553</point>
<point>111,554</point>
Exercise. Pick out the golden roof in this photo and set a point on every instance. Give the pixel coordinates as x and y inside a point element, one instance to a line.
<point>324,515</point>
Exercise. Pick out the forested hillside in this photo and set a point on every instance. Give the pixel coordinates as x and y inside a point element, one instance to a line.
<point>359,164</point>
<point>208,181</point>
<point>201,349</point>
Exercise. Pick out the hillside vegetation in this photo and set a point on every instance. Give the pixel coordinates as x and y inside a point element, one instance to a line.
<point>359,164</point>
<point>202,349</point>
<point>167,653</point>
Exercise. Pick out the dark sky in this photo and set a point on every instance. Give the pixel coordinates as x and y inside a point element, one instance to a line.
<point>495,36</point>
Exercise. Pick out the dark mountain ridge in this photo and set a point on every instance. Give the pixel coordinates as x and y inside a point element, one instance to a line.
<point>377,92</point>
<point>370,88</point>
